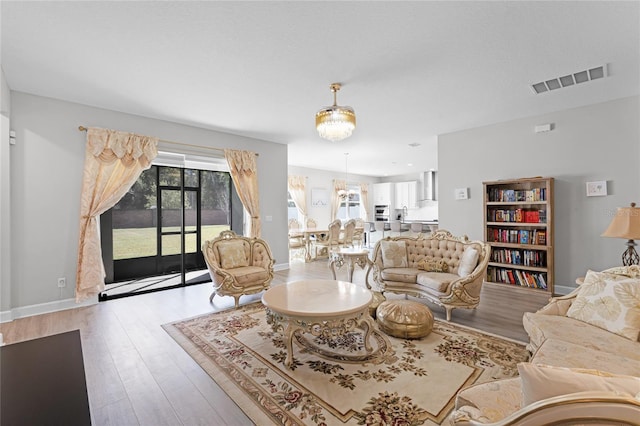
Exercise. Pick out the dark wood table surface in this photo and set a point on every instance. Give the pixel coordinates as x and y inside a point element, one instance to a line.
<point>42,382</point>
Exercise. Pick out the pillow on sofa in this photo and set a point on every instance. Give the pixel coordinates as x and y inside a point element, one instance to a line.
<point>543,381</point>
<point>431,264</point>
<point>394,254</point>
<point>468,261</point>
<point>232,255</point>
<point>632,271</point>
<point>609,302</point>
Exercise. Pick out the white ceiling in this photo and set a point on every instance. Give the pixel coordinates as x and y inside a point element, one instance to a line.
<point>411,70</point>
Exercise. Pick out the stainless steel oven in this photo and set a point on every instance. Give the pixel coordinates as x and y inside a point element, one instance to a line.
<point>381,213</point>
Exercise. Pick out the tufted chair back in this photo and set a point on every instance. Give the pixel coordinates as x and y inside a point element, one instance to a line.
<point>449,250</point>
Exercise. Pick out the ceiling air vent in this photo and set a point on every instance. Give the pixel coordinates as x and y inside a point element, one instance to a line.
<point>570,80</point>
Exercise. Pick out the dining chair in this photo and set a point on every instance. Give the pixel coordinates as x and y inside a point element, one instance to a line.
<point>296,239</point>
<point>379,226</point>
<point>348,233</point>
<point>328,242</point>
<point>416,228</point>
<point>294,224</point>
<point>396,227</point>
<point>359,232</point>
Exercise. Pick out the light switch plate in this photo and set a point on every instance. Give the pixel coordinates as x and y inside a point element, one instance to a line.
<point>462,193</point>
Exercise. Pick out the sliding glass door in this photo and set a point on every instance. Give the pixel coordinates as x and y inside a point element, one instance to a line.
<point>159,225</point>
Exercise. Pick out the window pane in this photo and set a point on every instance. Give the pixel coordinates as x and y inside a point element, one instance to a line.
<point>215,199</point>
<point>171,201</point>
<point>190,178</point>
<point>292,210</point>
<point>169,176</point>
<point>354,210</point>
<point>171,244</point>
<point>135,219</point>
<point>190,243</point>
<point>190,205</point>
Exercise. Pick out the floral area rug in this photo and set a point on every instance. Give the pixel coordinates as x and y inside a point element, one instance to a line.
<point>336,382</point>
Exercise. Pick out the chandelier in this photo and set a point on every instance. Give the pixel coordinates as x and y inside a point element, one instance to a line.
<point>335,122</point>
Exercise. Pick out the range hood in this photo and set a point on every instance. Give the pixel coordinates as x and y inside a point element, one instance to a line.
<point>428,186</point>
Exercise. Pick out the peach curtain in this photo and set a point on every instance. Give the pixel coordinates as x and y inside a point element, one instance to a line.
<point>338,185</point>
<point>244,172</point>
<point>364,200</point>
<point>298,191</point>
<point>113,162</point>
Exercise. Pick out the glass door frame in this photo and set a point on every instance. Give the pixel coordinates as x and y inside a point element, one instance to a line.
<point>157,265</point>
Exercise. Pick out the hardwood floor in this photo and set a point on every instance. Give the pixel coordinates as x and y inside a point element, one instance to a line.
<point>137,375</point>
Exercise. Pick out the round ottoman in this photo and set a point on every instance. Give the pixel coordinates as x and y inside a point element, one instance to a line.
<point>404,318</point>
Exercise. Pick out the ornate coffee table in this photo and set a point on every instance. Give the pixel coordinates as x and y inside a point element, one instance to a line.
<point>319,307</point>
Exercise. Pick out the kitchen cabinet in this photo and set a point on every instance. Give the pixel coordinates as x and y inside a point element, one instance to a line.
<point>406,195</point>
<point>383,194</point>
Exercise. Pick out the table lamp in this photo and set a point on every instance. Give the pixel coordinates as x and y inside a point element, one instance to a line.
<point>626,224</point>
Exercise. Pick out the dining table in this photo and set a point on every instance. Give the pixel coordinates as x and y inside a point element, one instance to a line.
<point>309,235</point>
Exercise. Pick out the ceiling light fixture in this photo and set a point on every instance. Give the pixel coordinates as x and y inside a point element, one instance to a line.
<point>335,122</point>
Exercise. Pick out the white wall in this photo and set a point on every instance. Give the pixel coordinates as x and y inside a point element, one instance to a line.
<point>5,212</point>
<point>46,174</point>
<point>593,143</point>
<point>323,179</point>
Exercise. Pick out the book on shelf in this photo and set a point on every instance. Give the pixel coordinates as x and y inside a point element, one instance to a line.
<point>517,195</point>
<point>518,277</point>
<point>515,236</point>
<point>541,238</point>
<point>517,215</point>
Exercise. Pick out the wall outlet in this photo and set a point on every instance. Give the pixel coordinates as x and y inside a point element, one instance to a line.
<point>62,282</point>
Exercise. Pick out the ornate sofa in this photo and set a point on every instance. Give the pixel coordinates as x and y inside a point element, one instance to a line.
<point>446,270</point>
<point>578,354</point>
<point>238,265</point>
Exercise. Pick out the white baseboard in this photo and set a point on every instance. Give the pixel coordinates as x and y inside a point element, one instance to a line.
<point>6,316</point>
<point>281,266</point>
<point>563,289</point>
<point>44,308</point>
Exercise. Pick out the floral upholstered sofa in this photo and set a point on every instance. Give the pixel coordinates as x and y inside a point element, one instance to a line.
<point>585,361</point>
<point>446,270</point>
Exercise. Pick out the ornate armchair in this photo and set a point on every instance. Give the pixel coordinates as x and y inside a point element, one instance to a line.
<point>238,265</point>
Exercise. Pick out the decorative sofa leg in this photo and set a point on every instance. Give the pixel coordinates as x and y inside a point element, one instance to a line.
<point>448,309</point>
<point>211,297</point>
<point>237,299</point>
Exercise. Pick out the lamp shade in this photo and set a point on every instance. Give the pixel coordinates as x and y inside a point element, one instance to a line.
<point>625,224</point>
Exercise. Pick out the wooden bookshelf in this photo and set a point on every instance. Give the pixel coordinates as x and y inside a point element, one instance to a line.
<point>518,224</point>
